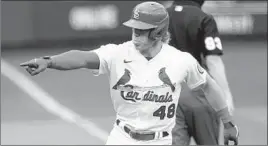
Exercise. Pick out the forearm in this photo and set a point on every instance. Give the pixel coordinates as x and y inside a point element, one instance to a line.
<point>73,59</point>
<point>217,70</point>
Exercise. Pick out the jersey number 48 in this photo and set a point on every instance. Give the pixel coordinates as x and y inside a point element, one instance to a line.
<point>161,112</point>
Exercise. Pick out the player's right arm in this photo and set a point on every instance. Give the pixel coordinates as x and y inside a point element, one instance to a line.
<point>202,85</point>
<point>75,59</point>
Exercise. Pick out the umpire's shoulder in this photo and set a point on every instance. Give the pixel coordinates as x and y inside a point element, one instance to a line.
<point>200,13</point>
<point>208,17</point>
<point>197,12</point>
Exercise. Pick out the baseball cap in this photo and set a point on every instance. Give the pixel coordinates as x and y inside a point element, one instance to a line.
<point>147,15</point>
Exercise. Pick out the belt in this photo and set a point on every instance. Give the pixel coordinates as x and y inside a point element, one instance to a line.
<point>142,136</point>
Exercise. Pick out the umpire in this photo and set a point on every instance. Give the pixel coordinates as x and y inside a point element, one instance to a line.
<point>196,32</point>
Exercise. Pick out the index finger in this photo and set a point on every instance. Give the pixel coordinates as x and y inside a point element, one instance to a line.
<point>25,63</point>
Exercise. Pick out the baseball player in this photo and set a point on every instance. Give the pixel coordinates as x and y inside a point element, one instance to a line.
<point>145,81</point>
<point>196,32</point>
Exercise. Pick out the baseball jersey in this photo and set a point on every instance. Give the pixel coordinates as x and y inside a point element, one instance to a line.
<point>194,31</point>
<point>145,93</point>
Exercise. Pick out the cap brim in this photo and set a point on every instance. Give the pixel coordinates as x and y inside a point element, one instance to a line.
<point>138,24</point>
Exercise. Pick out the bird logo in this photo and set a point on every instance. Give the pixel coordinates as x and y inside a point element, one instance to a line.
<point>165,79</point>
<point>123,80</point>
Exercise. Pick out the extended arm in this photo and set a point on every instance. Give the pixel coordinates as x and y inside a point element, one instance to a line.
<point>203,85</point>
<point>70,60</point>
<point>74,59</point>
<point>216,98</point>
<point>97,59</point>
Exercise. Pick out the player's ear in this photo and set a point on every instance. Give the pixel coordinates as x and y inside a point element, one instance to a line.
<point>155,34</point>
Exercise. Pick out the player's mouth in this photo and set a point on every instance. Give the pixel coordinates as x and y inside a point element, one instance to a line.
<point>137,43</point>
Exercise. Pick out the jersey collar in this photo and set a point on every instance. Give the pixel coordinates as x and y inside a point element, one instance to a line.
<point>136,54</point>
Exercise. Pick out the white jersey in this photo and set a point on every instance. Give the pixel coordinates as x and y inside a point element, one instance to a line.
<point>145,93</point>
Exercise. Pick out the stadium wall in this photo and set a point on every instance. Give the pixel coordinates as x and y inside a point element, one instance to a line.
<point>54,24</point>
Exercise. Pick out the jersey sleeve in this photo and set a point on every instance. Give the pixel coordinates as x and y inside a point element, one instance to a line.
<point>106,54</point>
<point>211,36</point>
<point>196,75</point>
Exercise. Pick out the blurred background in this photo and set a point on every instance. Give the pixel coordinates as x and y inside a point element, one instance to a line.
<point>74,107</point>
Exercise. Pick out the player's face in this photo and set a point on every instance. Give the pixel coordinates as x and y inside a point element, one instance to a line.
<point>141,39</point>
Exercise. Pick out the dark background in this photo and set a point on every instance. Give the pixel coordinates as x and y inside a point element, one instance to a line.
<point>32,29</point>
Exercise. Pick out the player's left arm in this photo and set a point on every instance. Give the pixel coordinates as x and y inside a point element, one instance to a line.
<point>203,85</point>
<point>212,51</point>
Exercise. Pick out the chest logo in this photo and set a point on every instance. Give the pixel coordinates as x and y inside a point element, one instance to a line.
<point>163,76</point>
<point>127,61</point>
<point>134,95</point>
<point>124,79</point>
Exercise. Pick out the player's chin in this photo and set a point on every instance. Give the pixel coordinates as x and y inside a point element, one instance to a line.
<point>139,47</point>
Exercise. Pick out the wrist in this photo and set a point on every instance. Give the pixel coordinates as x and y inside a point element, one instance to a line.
<point>225,115</point>
<point>48,59</point>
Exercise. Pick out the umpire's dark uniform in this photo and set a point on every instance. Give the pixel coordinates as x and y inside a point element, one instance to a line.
<point>190,28</point>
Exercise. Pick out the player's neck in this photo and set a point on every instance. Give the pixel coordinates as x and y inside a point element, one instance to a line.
<point>153,51</point>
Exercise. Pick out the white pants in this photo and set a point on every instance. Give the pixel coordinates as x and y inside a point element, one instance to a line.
<point>119,137</point>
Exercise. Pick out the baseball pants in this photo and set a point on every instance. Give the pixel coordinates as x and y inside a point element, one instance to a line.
<point>119,137</point>
<point>195,118</point>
